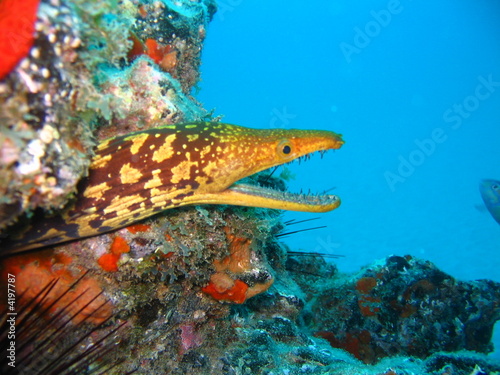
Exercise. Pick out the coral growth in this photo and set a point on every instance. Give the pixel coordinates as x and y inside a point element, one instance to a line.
<point>165,56</point>
<point>42,136</point>
<point>109,261</point>
<point>226,283</point>
<point>34,271</point>
<point>171,33</point>
<point>62,90</point>
<point>386,309</point>
<point>142,96</point>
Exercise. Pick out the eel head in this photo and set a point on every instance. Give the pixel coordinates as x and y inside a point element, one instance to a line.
<point>237,152</point>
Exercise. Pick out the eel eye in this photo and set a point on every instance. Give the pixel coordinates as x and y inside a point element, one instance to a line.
<point>284,148</point>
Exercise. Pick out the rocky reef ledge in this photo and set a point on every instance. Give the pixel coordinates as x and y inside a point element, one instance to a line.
<point>198,290</point>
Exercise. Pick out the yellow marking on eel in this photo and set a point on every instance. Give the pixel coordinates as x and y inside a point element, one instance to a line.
<point>195,163</point>
<point>165,151</point>
<point>183,171</point>
<point>101,146</point>
<point>155,181</point>
<point>129,175</point>
<point>96,191</point>
<point>121,205</point>
<point>137,142</point>
<point>100,161</point>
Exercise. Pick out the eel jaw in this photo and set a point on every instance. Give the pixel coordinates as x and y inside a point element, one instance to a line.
<point>243,194</point>
<point>240,194</point>
<point>257,196</point>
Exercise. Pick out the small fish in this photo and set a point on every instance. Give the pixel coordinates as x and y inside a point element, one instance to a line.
<point>490,192</point>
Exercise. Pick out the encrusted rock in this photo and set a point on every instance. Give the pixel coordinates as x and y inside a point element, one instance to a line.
<point>404,306</point>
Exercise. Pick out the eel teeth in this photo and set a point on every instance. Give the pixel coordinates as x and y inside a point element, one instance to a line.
<point>314,199</point>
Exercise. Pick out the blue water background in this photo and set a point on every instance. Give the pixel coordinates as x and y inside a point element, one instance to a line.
<point>283,63</point>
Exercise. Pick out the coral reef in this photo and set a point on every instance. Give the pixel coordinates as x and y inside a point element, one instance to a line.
<point>171,34</point>
<point>235,278</point>
<point>179,326</point>
<point>403,306</point>
<point>78,77</point>
<point>206,290</point>
<point>42,135</point>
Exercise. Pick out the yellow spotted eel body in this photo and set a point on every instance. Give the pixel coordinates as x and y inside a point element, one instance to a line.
<point>137,175</point>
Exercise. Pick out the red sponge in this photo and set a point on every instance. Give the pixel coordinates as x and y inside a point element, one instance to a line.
<point>17,26</point>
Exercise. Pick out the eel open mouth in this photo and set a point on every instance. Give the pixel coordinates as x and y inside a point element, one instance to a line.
<point>258,196</point>
<point>242,193</point>
<point>300,146</point>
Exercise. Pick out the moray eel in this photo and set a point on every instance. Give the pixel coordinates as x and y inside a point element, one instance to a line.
<point>134,176</point>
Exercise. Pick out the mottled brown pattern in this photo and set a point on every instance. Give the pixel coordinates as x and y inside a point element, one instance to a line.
<point>136,175</point>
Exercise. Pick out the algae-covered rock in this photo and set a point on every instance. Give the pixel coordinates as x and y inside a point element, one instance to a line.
<point>45,145</point>
<point>403,306</point>
<point>85,77</point>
